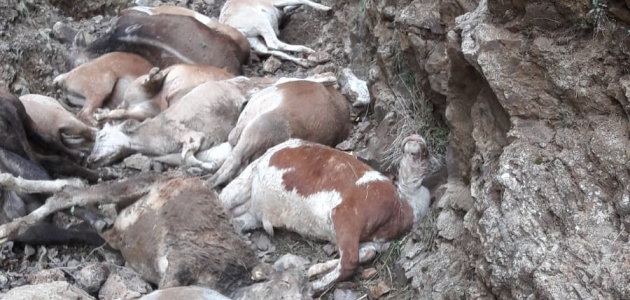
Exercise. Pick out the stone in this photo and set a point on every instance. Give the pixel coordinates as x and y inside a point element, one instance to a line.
<point>138,162</point>
<point>291,261</point>
<point>261,240</point>
<point>123,284</point>
<point>449,225</point>
<point>271,65</point>
<point>379,289</point>
<point>58,290</point>
<point>368,273</point>
<point>345,294</point>
<point>92,277</point>
<point>354,88</point>
<point>46,276</point>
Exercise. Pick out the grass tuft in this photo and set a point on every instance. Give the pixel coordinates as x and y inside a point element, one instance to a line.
<point>415,115</point>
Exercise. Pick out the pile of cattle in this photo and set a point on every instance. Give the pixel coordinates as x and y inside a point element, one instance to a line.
<point>166,82</point>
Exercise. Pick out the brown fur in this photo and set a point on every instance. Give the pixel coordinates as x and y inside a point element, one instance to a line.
<point>182,220</point>
<point>102,81</point>
<point>212,23</point>
<point>22,136</point>
<point>309,110</point>
<point>152,93</point>
<point>369,213</point>
<point>49,115</point>
<point>205,115</point>
<point>165,40</point>
<point>302,186</point>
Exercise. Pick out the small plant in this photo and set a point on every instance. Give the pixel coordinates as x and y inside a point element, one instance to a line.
<point>415,114</point>
<point>598,16</point>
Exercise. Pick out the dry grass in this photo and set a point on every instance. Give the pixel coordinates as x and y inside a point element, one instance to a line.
<point>415,115</point>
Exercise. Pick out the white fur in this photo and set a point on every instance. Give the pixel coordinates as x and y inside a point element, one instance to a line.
<point>109,141</point>
<point>261,19</point>
<point>371,176</point>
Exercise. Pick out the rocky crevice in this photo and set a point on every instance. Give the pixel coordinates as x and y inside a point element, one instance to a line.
<point>534,95</point>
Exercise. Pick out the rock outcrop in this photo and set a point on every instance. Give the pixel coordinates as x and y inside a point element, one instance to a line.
<point>535,96</point>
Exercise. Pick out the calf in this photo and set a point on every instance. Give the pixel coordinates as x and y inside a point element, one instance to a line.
<point>304,109</point>
<point>60,124</point>
<point>326,194</point>
<point>201,119</point>
<point>260,18</point>
<point>100,82</point>
<point>152,93</point>
<point>172,231</point>
<point>165,40</point>
<point>22,136</point>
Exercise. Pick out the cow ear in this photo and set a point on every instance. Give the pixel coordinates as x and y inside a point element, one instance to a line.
<point>79,40</point>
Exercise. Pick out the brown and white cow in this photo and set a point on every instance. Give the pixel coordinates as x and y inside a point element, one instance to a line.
<point>211,23</point>
<point>165,39</point>
<point>202,119</point>
<point>152,93</point>
<point>261,18</point>
<point>326,194</point>
<point>101,82</point>
<point>309,109</point>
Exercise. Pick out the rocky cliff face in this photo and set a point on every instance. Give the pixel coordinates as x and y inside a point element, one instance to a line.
<point>535,96</point>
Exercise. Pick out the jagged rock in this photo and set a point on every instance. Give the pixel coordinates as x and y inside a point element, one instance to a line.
<point>291,261</point>
<point>271,65</point>
<point>58,290</point>
<point>124,283</point>
<point>138,162</point>
<point>290,283</point>
<point>449,225</point>
<point>92,277</point>
<point>46,276</point>
<point>354,88</point>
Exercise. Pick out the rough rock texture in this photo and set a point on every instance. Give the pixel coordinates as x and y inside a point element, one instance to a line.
<point>535,95</point>
<point>58,290</point>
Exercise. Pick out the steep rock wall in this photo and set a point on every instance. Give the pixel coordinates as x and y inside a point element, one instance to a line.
<point>535,95</point>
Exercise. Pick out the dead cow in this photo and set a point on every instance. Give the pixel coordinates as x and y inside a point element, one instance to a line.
<point>101,82</point>
<point>172,231</point>
<point>165,40</point>
<point>326,194</point>
<point>152,93</point>
<point>212,23</point>
<point>63,126</point>
<point>200,120</point>
<point>261,18</point>
<point>307,109</point>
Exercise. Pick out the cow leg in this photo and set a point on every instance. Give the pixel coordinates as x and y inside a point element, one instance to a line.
<point>44,233</point>
<point>260,48</point>
<point>62,166</point>
<point>96,98</point>
<point>122,193</point>
<point>367,252</point>
<point>269,35</point>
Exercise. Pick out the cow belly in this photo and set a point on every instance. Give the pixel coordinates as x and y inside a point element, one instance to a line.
<point>309,216</point>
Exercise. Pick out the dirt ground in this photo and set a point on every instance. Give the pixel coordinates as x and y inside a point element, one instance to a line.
<point>32,55</point>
